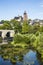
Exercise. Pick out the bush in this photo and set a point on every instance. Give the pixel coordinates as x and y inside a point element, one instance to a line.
<point>18,38</point>
<point>26,39</point>
<point>33,38</point>
<point>37,33</point>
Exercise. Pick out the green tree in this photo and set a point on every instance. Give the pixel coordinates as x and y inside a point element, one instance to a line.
<point>35,28</point>
<point>16,25</point>
<point>6,25</point>
<point>25,27</point>
<point>41,29</point>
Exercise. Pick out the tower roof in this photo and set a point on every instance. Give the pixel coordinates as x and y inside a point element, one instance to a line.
<point>25,12</point>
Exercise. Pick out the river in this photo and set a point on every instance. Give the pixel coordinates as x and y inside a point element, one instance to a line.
<point>29,58</point>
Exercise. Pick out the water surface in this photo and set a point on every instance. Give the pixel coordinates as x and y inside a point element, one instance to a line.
<point>29,58</point>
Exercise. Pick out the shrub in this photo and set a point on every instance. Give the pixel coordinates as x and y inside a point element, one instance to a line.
<point>18,38</point>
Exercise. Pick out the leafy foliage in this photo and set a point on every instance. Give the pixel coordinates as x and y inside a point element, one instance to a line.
<point>25,27</point>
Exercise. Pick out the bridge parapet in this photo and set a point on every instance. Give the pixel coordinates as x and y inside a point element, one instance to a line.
<point>7,32</point>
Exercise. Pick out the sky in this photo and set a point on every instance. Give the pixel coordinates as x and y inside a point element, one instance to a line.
<point>11,8</point>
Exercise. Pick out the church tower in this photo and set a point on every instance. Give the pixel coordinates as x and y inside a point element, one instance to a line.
<point>25,17</point>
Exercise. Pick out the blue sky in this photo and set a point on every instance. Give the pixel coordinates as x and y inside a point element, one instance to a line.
<point>11,8</point>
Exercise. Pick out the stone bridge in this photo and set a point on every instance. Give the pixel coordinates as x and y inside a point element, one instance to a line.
<point>6,33</point>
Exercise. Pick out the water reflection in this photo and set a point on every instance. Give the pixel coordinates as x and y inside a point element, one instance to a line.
<point>30,58</point>
<point>4,62</point>
<point>11,55</point>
